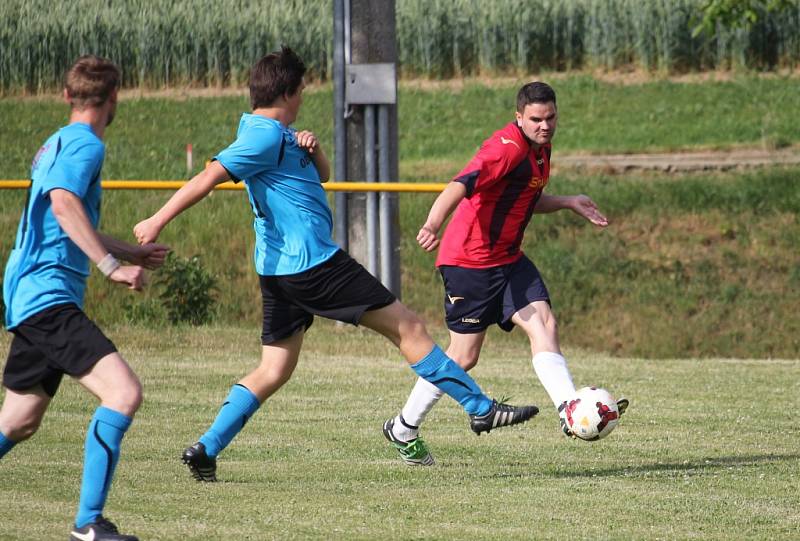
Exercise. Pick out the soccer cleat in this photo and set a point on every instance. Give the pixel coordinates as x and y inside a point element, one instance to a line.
<point>501,414</point>
<point>203,467</point>
<point>414,452</point>
<point>100,530</point>
<point>562,419</point>
<point>622,405</point>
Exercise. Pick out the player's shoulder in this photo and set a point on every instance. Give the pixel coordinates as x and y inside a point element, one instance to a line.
<point>78,138</point>
<point>508,139</point>
<point>259,130</point>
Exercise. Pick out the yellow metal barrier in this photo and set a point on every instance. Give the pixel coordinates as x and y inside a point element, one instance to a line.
<point>411,187</point>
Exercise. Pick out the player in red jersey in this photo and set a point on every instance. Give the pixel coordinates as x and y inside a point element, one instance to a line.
<point>487,278</point>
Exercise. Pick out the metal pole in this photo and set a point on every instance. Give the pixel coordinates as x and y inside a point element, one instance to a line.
<point>386,224</point>
<point>340,30</point>
<point>372,198</point>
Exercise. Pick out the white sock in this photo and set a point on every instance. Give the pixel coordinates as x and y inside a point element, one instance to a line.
<point>551,368</point>
<point>423,397</point>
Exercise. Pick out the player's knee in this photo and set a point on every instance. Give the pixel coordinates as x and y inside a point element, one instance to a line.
<point>22,429</point>
<point>128,399</point>
<point>413,328</point>
<point>465,359</point>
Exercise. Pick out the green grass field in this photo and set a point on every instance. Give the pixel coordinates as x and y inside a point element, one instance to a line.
<point>694,267</point>
<point>707,451</point>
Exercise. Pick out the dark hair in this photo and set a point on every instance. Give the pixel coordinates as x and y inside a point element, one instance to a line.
<point>90,81</point>
<point>278,73</point>
<point>536,92</point>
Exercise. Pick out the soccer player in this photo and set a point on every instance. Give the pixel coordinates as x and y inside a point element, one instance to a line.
<point>302,272</point>
<point>487,278</point>
<point>44,285</point>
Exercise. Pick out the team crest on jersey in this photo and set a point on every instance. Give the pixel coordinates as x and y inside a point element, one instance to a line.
<point>38,156</point>
<point>537,183</point>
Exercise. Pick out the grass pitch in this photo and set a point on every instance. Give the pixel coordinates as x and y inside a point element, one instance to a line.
<point>706,451</point>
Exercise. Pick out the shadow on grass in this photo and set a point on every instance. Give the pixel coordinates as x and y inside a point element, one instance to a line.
<point>693,467</point>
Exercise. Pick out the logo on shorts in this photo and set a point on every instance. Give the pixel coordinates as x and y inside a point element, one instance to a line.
<point>454,299</point>
<point>470,320</point>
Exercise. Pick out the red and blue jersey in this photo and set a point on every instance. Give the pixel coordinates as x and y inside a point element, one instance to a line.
<point>504,181</point>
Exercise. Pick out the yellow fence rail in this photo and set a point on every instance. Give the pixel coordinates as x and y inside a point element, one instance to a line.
<point>411,187</point>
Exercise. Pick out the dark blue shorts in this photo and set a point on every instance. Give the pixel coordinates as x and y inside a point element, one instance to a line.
<point>475,299</point>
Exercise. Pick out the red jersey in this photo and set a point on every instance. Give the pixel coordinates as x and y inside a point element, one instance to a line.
<point>504,181</point>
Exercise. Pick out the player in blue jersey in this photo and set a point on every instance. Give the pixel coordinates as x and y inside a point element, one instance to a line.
<point>43,288</point>
<point>302,272</point>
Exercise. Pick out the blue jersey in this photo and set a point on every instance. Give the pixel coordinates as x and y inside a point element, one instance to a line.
<point>45,267</point>
<point>293,222</point>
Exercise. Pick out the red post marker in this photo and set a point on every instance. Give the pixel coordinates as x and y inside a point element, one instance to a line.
<point>189,160</point>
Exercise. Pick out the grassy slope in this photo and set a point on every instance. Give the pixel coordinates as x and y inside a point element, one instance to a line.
<point>701,265</point>
<point>693,459</point>
<point>439,126</point>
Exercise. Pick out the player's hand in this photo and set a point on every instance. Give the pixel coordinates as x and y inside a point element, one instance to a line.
<point>587,208</point>
<point>307,140</point>
<point>146,231</point>
<point>427,238</point>
<point>131,275</point>
<point>151,255</point>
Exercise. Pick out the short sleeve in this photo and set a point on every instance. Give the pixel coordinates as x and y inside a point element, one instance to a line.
<point>492,163</point>
<point>255,150</point>
<point>76,166</point>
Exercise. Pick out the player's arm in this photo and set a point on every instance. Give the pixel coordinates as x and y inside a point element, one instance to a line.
<point>71,216</point>
<point>581,205</point>
<point>147,231</point>
<point>308,141</point>
<point>444,205</point>
<point>150,256</point>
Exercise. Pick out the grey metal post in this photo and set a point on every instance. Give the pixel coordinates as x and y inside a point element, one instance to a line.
<point>372,197</point>
<point>388,258</point>
<point>339,126</point>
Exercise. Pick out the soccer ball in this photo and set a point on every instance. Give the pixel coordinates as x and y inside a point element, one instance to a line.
<point>592,414</point>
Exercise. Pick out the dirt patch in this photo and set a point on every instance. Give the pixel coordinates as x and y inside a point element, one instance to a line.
<point>680,162</point>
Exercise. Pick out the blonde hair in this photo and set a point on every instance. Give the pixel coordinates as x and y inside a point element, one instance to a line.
<point>90,81</point>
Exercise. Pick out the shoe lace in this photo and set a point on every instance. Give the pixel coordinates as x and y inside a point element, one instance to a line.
<point>107,525</point>
<point>502,404</point>
<point>416,447</point>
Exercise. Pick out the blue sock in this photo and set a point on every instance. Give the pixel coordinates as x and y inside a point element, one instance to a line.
<point>439,369</point>
<point>101,454</point>
<point>240,405</point>
<point>5,445</point>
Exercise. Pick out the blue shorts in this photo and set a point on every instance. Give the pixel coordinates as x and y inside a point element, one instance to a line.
<point>478,298</point>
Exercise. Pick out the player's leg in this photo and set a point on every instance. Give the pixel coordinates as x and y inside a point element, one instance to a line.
<point>21,415</point>
<point>404,328</point>
<point>539,323</point>
<point>527,305</point>
<point>283,328</point>
<point>30,386</point>
<point>407,331</point>
<point>464,349</point>
<point>403,430</point>
<point>120,394</point>
<point>278,361</point>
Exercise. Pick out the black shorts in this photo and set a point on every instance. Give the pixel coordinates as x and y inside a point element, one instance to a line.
<point>56,341</point>
<point>339,288</point>
<point>478,298</point>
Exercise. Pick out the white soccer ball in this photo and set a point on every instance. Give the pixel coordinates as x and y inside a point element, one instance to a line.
<point>592,414</point>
